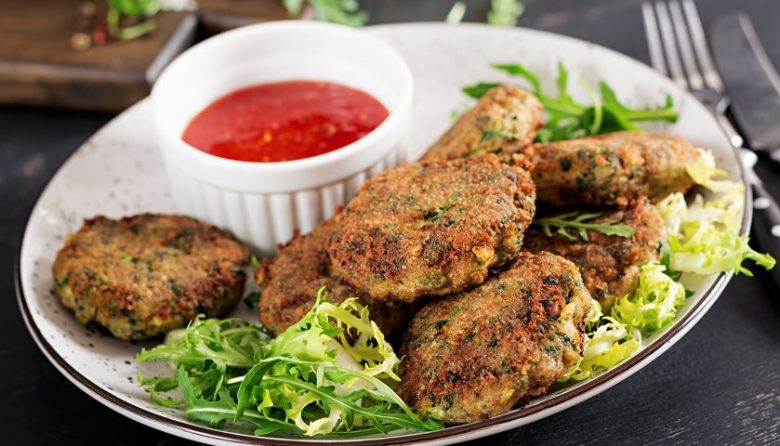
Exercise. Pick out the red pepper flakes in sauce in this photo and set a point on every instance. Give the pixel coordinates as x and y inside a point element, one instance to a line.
<point>284,121</point>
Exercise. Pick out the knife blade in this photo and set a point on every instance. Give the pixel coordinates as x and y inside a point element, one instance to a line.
<point>751,80</point>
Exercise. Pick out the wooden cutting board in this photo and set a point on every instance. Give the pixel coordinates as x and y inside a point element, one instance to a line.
<point>39,67</point>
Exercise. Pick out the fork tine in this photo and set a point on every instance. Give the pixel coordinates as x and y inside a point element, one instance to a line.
<point>681,30</point>
<point>670,45</point>
<point>653,39</point>
<point>711,77</point>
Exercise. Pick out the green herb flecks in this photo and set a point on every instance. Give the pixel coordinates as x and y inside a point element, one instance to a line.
<point>581,224</point>
<point>568,119</point>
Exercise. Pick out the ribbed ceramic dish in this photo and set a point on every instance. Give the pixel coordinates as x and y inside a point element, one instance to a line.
<point>262,202</point>
<point>119,172</point>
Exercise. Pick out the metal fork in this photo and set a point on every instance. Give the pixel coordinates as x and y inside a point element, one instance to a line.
<point>678,49</point>
<point>676,26</point>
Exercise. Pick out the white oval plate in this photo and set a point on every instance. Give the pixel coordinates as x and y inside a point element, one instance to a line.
<point>119,172</point>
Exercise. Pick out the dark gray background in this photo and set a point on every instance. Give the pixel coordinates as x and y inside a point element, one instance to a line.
<point>719,385</point>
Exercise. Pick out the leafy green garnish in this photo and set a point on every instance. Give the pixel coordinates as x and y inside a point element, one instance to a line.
<point>504,12</point>
<point>142,11</point>
<point>568,119</point>
<point>252,299</point>
<point>607,343</point>
<point>345,12</point>
<point>328,374</point>
<point>456,13</point>
<point>653,304</point>
<point>579,222</point>
<point>704,237</point>
<point>478,90</point>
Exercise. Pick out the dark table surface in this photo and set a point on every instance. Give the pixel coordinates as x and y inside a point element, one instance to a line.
<point>719,385</point>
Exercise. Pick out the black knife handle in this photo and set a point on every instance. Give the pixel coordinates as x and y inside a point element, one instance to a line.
<point>766,226</point>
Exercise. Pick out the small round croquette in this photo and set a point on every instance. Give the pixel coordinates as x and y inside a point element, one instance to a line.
<point>142,276</point>
<point>290,281</point>
<point>432,228</point>
<point>479,353</point>
<point>505,119</point>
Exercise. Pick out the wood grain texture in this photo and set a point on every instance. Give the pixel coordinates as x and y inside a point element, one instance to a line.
<point>719,385</point>
<point>39,67</point>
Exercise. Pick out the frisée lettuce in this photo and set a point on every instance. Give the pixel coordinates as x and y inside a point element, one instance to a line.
<point>607,343</point>
<point>703,239</point>
<point>330,373</point>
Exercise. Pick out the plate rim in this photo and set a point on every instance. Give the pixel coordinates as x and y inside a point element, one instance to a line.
<point>463,432</point>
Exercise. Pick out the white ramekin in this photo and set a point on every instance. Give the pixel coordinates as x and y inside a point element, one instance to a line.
<point>262,203</point>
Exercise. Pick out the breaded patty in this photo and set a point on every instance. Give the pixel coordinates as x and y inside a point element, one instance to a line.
<point>611,169</point>
<point>291,280</point>
<point>505,118</point>
<point>479,353</point>
<point>609,264</point>
<point>432,228</point>
<point>145,275</point>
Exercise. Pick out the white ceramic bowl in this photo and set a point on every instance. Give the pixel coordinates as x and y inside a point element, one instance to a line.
<point>262,203</point>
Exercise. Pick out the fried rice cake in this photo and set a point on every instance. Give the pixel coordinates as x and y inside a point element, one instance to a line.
<point>611,169</point>
<point>505,118</point>
<point>479,353</point>
<point>432,228</point>
<point>142,276</point>
<point>290,281</point>
<point>609,264</point>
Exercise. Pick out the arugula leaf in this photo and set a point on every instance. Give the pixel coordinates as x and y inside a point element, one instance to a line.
<point>665,113</point>
<point>568,119</point>
<point>224,343</point>
<point>579,222</point>
<point>327,374</point>
<point>476,91</point>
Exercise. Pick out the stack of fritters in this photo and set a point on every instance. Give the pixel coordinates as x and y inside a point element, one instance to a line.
<point>619,174</point>
<point>496,325</point>
<point>415,231</point>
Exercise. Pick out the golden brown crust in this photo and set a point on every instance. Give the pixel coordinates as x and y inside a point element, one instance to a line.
<point>505,118</point>
<point>611,169</point>
<point>432,228</point>
<point>477,354</point>
<point>144,275</point>
<point>290,282</point>
<point>609,265</point>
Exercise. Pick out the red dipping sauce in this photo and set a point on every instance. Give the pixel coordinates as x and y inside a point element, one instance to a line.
<point>284,121</point>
